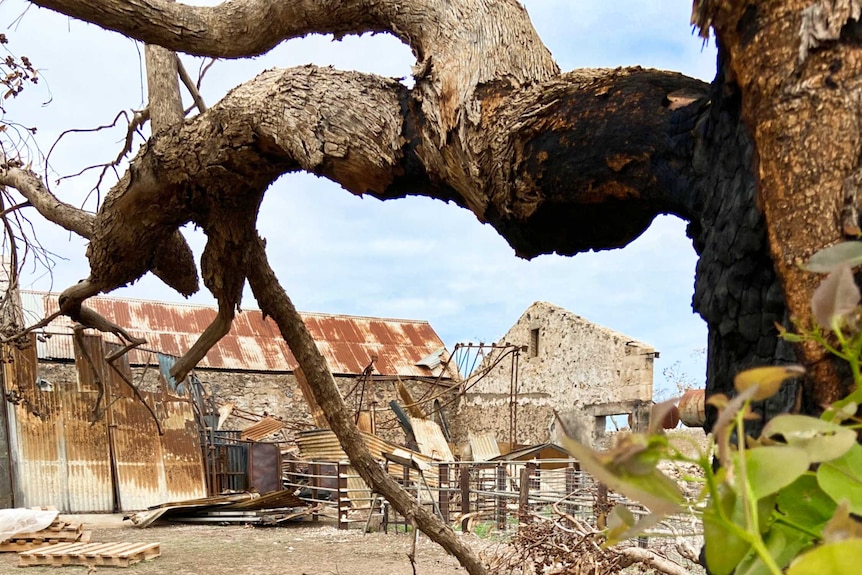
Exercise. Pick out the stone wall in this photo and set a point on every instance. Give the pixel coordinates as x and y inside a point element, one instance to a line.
<point>278,395</point>
<point>567,364</point>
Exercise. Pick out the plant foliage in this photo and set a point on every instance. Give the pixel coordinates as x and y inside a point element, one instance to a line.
<point>786,501</point>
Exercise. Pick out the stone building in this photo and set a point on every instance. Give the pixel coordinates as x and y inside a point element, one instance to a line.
<point>559,362</point>
<point>252,368</point>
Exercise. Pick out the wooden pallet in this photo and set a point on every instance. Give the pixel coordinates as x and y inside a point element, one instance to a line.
<point>18,544</point>
<point>90,554</point>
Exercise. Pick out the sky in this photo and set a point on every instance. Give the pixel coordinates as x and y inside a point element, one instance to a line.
<point>337,253</point>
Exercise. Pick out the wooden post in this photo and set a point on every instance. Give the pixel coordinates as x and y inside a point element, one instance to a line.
<point>602,507</point>
<point>314,471</point>
<point>343,499</point>
<point>501,499</point>
<point>443,491</point>
<point>465,497</point>
<point>524,496</point>
<point>571,487</point>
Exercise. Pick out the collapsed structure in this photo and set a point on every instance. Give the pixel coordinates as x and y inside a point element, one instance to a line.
<point>83,430</point>
<point>560,363</point>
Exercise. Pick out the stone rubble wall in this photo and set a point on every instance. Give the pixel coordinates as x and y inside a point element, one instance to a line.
<point>578,367</point>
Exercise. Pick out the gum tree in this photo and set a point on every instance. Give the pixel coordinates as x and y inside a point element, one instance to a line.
<point>763,163</point>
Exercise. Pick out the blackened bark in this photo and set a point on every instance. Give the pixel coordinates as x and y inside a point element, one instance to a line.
<point>737,291</point>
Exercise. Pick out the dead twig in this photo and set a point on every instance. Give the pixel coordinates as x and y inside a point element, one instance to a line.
<point>190,86</point>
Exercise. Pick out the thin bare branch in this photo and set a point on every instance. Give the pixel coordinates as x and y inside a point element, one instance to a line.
<point>205,67</point>
<point>191,86</point>
<point>134,388</point>
<point>139,118</point>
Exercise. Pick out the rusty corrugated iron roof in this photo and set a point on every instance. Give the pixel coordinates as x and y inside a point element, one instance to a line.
<point>254,342</point>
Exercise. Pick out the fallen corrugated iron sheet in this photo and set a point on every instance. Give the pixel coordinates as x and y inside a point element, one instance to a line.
<point>484,446</point>
<point>429,438</point>
<point>148,517</point>
<point>262,429</point>
<point>236,507</point>
<point>322,445</point>
<point>254,342</point>
<point>274,500</point>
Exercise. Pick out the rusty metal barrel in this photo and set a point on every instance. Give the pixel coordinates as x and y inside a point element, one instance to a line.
<point>692,408</point>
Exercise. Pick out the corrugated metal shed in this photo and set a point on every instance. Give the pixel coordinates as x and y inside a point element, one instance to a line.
<point>254,342</point>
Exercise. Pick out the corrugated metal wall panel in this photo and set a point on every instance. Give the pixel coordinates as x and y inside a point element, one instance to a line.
<point>182,455</point>
<point>136,447</point>
<point>88,453</point>
<point>36,465</point>
<point>58,457</point>
<point>152,469</point>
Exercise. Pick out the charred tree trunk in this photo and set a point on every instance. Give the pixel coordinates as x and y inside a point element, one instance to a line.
<point>797,67</point>
<point>737,291</point>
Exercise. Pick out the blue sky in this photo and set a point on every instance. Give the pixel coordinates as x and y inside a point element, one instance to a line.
<point>410,258</point>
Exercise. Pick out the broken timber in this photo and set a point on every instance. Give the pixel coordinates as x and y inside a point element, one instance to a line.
<point>90,554</point>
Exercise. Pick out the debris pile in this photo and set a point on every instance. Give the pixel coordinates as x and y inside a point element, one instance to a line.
<point>252,508</point>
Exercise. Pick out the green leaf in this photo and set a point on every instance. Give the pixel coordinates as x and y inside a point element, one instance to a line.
<point>771,468</point>
<point>835,297</point>
<point>723,548</point>
<point>842,478</point>
<point>803,502</point>
<point>620,521</point>
<point>841,558</point>
<point>820,439</point>
<point>827,259</point>
<point>783,543</point>
<point>630,470</point>
<point>767,380</point>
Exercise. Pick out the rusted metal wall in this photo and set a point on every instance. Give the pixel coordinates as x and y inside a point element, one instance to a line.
<point>6,500</point>
<point>60,456</point>
<point>83,450</point>
<point>152,468</point>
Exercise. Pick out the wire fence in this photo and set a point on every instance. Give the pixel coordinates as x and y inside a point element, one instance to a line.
<point>475,496</point>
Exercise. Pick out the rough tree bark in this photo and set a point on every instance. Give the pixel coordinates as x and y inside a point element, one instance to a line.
<point>796,65</point>
<point>555,162</point>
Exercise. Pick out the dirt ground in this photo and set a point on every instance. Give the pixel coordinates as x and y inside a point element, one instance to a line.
<point>304,548</point>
